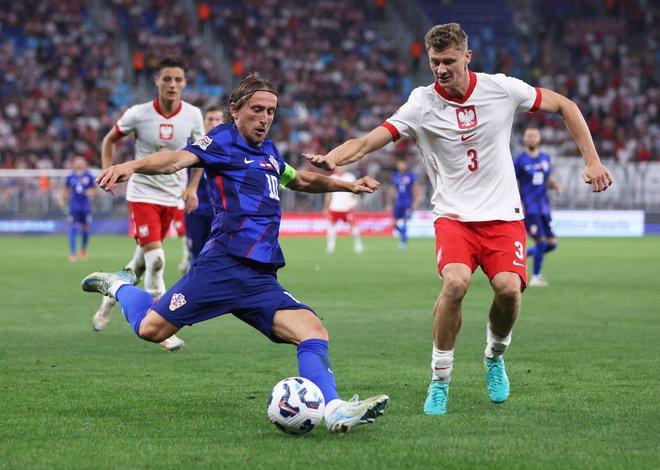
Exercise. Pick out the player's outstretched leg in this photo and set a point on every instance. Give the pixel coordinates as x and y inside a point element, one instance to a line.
<point>349,414</point>
<point>106,283</point>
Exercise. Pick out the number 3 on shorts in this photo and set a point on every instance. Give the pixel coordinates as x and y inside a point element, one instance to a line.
<point>520,249</point>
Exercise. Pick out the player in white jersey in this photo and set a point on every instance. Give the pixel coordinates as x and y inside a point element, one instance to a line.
<point>462,125</point>
<point>338,206</point>
<point>166,123</point>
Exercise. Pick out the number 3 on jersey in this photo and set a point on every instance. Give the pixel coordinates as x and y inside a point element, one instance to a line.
<point>474,162</point>
<point>273,187</point>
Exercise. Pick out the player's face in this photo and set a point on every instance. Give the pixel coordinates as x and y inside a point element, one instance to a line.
<point>79,165</point>
<point>254,118</point>
<point>212,119</point>
<point>401,166</point>
<point>532,138</point>
<point>170,82</point>
<point>450,67</point>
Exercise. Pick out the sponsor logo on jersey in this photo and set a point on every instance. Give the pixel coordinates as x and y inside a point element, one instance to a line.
<point>166,131</point>
<point>178,300</point>
<point>466,117</point>
<point>467,137</point>
<point>203,142</point>
<point>272,160</point>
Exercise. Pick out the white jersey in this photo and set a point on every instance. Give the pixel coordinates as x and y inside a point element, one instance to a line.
<point>343,201</point>
<point>155,132</point>
<point>465,144</point>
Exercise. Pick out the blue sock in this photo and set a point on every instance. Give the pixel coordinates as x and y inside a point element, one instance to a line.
<point>73,234</point>
<point>549,247</point>
<point>313,364</point>
<point>135,303</point>
<point>85,239</point>
<point>404,233</point>
<point>539,253</point>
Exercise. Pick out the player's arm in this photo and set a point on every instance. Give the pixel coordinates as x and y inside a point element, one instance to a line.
<point>309,182</point>
<point>190,193</point>
<point>554,184</point>
<point>416,195</point>
<point>595,173</point>
<point>108,146</point>
<point>352,150</point>
<point>64,196</point>
<point>159,163</point>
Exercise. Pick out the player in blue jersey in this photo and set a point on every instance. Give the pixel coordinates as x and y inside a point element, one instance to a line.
<point>199,222</point>
<point>237,269</point>
<point>79,186</point>
<point>533,171</point>
<point>405,199</point>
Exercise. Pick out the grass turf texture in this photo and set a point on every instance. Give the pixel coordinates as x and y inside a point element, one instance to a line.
<point>583,366</point>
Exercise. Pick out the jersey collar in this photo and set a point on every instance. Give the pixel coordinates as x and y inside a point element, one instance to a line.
<point>473,83</point>
<point>158,110</point>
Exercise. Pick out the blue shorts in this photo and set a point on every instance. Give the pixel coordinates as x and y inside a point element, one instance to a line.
<point>217,284</point>
<point>539,225</point>
<point>401,212</point>
<point>80,217</point>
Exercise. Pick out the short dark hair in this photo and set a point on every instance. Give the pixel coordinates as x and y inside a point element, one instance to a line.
<point>171,61</point>
<point>213,108</point>
<point>246,88</point>
<point>443,36</point>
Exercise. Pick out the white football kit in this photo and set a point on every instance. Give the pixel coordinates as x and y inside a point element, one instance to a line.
<point>342,201</point>
<point>464,144</point>
<point>156,132</point>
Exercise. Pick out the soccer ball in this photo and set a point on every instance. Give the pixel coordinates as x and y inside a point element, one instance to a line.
<point>296,405</point>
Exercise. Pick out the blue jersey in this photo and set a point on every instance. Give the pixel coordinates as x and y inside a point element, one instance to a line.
<point>244,183</point>
<point>78,185</point>
<point>403,182</point>
<point>532,174</point>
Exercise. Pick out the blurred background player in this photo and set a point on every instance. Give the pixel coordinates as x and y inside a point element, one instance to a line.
<point>404,199</point>
<point>79,186</point>
<point>533,171</point>
<point>166,123</point>
<point>198,222</point>
<point>339,206</point>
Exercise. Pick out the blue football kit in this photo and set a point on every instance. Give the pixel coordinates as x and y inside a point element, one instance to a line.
<point>200,221</point>
<point>532,174</point>
<point>80,210</point>
<point>403,183</point>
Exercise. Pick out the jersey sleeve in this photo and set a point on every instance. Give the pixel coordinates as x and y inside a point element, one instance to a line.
<point>127,122</point>
<point>405,120</point>
<point>524,96</point>
<point>210,150</point>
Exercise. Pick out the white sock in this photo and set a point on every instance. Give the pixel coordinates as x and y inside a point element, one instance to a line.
<point>495,345</point>
<point>442,363</point>
<point>331,406</point>
<point>154,281</point>
<point>186,251</point>
<point>332,238</point>
<point>112,290</point>
<point>137,263</point>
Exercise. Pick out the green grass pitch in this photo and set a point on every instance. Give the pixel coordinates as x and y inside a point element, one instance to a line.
<point>583,366</point>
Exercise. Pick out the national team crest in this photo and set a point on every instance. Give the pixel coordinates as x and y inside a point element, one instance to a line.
<point>178,300</point>
<point>467,117</point>
<point>143,231</point>
<point>166,131</point>
<point>274,162</point>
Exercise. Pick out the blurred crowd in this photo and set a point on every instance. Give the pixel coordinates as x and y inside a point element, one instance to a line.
<point>65,83</point>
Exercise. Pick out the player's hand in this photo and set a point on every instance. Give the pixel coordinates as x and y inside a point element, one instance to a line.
<point>191,200</point>
<point>597,176</point>
<point>109,177</point>
<point>366,184</point>
<point>320,161</point>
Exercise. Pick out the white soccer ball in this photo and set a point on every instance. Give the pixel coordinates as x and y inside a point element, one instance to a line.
<point>296,405</point>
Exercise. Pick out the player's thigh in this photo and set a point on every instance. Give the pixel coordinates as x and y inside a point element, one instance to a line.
<point>503,248</point>
<point>548,232</point>
<point>155,326</point>
<point>454,243</point>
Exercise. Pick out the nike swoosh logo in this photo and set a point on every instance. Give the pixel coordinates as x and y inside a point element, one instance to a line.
<point>440,368</point>
<point>247,162</point>
<point>518,263</point>
<point>467,137</point>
